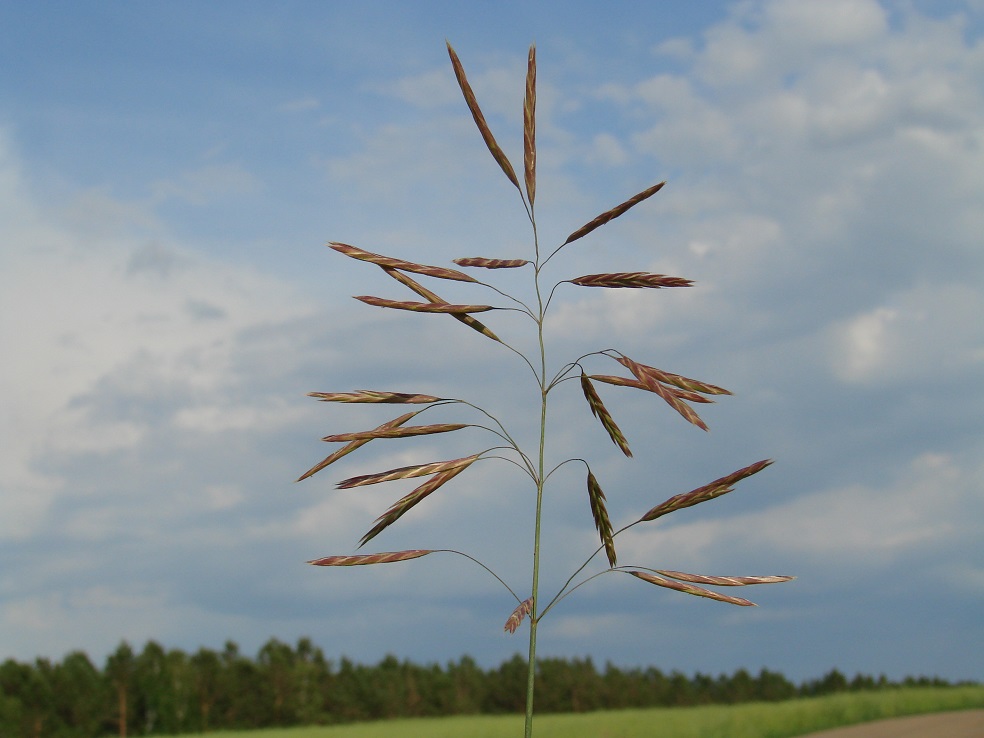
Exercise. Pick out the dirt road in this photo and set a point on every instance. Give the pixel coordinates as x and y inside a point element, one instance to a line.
<point>962,724</point>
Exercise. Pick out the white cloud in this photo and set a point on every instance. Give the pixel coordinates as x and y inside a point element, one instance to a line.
<point>921,334</point>
<point>922,506</point>
<point>96,309</point>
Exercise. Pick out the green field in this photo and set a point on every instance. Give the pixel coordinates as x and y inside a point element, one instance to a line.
<point>753,720</point>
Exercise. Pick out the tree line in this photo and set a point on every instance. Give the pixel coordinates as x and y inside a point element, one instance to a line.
<point>158,691</point>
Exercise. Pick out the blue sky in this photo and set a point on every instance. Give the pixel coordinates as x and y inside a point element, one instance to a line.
<point>169,174</point>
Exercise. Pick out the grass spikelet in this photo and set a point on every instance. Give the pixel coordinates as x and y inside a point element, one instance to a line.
<point>635,383</point>
<point>403,505</point>
<point>723,581</point>
<point>692,589</point>
<point>483,127</point>
<point>422,307</point>
<point>407,266</point>
<point>683,382</point>
<point>600,514</point>
<point>413,430</point>
<point>376,558</point>
<point>406,472</point>
<point>718,487</point>
<point>522,610</point>
<point>599,410</point>
<point>529,126</point>
<point>374,396</point>
<point>349,448</point>
<point>671,399</point>
<point>633,280</point>
<point>479,261</point>
<point>468,320</point>
<point>613,213</point>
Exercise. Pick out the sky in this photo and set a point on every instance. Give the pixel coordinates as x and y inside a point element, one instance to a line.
<point>171,172</point>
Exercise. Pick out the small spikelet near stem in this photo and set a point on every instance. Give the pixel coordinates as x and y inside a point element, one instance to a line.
<point>529,126</point>
<point>602,522</point>
<point>718,487</point>
<point>468,320</point>
<point>613,213</point>
<point>404,504</point>
<point>376,558</point>
<point>599,410</point>
<point>483,127</point>
<point>407,266</point>
<point>406,472</point>
<point>633,280</point>
<point>692,589</point>
<point>332,458</point>
<point>522,610</point>
<point>374,396</point>
<point>723,581</point>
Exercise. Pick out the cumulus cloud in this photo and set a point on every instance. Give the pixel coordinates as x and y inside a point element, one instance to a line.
<point>825,172</point>
<point>108,331</point>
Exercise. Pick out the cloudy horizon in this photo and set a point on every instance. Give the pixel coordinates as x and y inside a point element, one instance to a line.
<point>168,180</point>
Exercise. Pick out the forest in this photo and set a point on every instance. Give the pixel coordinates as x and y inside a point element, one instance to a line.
<point>159,691</point>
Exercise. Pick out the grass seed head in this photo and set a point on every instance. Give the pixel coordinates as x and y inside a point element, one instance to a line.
<point>407,266</point>
<point>718,487</point>
<point>599,410</point>
<point>613,213</point>
<point>483,127</point>
<point>692,589</point>
<point>723,581</point>
<point>529,126</point>
<point>600,514</point>
<point>480,261</point>
<point>431,297</point>
<point>376,558</point>
<point>374,396</point>
<point>631,279</point>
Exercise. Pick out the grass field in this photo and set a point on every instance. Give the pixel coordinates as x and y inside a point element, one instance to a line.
<point>754,720</point>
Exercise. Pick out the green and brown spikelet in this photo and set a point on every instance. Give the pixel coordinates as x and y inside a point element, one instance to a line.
<point>599,410</point>
<point>718,487</point>
<point>376,558</point>
<point>405,503</point>
<point>468,320</point>
<point>352,446</point>
<point>600,514</point>
<point>395,432</point>
<point>374,396</point>
<point>481,261</point>
<point>613,213</point>
<point>529,127</point>
<point>483,127</point>
<point>388,262</point>
<point>406,472</point>
<point>422,307</point>
<point>691,589</point>
<point>653,385</point>
<point>631,280</point>
<point>719,581</point>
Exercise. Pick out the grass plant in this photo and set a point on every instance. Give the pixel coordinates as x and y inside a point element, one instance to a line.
<point>751,720</point>
<point>537,461</point>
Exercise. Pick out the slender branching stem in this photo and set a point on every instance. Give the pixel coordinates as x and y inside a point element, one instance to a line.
<point>541,480</point>
<point>472,558</point>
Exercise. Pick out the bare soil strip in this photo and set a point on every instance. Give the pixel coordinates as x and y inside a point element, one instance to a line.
<point>961,724</point>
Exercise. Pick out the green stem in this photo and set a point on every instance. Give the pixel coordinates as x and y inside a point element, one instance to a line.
<point>540,481</point>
